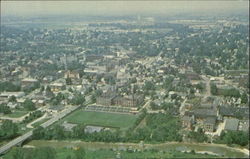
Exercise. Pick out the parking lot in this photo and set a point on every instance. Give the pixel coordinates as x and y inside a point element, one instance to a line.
<point>107,109</point>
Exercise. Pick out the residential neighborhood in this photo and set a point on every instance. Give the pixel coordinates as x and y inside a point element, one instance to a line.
<point>132,83</point>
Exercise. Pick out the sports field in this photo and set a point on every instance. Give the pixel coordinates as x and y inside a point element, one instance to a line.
<point>122,121</point>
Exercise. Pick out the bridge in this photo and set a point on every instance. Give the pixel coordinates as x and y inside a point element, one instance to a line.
<point>27,135</point>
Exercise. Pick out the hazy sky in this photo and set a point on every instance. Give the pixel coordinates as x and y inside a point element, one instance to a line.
<point>25,8</point>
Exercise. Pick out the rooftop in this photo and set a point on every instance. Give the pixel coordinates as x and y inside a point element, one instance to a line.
<point>231,124</point>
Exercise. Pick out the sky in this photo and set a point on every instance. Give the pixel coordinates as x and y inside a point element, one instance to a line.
<point>33,8</point>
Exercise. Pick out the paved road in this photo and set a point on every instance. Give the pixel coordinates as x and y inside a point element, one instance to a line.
<point>27,135</point>
<point>39,119</point>
<point>208,91</point>
<point>182,107</point>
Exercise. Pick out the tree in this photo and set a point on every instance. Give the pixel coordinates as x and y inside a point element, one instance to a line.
<point>4,109</point>
<point>17,153</point>
<point>58,132</point>
<point>244,98</point>
<point>41,88</point>
<point>234,137</point>
<point>29,105</point>
<point>68,81</point>
<point>58,99</point>
<point>98,92</point>
<point>149,86</point>
<point>9,87</point>
<point>8,129</point>
<point>78,99</point>
<point>78,131</point>
<point>214,89</point>
<point>93,98</point>
<point>48,92</point>
<point>12,99</point>
<point>38,133</point>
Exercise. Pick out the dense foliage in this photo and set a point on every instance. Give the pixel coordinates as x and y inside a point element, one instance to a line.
<point>234,137</point>
<point>29,105</point>
<point>4,109</point>
<point>8,130</point>
<point>9,87</point>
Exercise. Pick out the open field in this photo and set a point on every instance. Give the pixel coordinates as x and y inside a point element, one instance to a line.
<point>122,121</point>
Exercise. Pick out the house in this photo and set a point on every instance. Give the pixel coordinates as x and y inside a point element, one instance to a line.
<point>231,124</point>
<point>72,75</point>
<point>56,87</point>
<point>206,106</point>
<point>209,124</point>
<point>5,95</point>
<point>29,82</point>
<point>55,109</point>
<point>192,75</point>
<point>90,58</point>
<point>68,126</point>
<point>92,129</point>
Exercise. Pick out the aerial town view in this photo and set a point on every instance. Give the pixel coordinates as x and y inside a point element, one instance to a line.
<point>124,79</point>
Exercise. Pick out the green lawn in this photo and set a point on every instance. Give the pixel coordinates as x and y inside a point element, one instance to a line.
<point>122,121</point>
<point>17,113</point>
<point>40,122</point>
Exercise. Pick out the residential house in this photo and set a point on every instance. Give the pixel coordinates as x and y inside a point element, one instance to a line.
<point>56,87</point>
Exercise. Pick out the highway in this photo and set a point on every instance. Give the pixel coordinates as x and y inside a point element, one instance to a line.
<point>27,135</point>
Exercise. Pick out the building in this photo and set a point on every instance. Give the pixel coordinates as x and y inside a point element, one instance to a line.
<point>91,58</point>
<point>92,129</point>
<point>234,112</point>
<point>209,124</point>
<point>5,95</point>
<point>129,101</point>
<point>68,126</point>
<point>106,99</point>
<point>192,75</point>
<point>29,82</point>
<point>202,114</point>
<point>72,75</point>
<point>187,122</point>
<point>231,124</point>
<point>56,87</point>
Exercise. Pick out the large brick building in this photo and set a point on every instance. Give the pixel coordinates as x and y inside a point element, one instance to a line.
<point>128,101</point>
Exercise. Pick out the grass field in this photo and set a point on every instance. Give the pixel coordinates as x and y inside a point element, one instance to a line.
<point>122,121</point>
<point>40,122</point>
<point>17,114</point>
